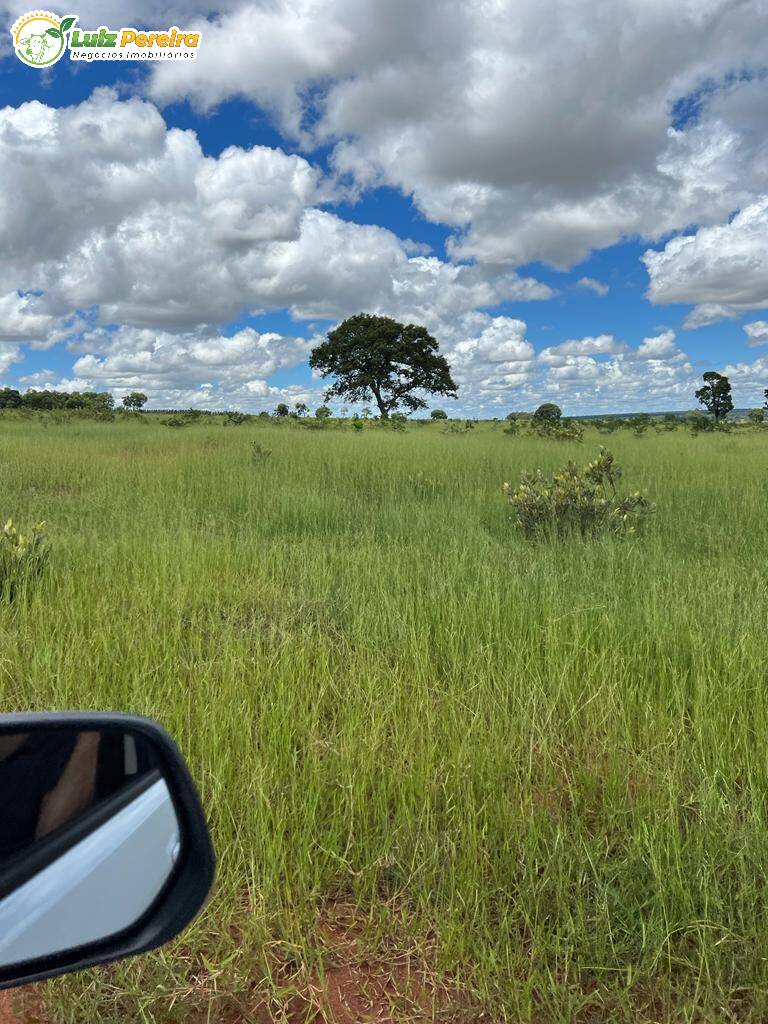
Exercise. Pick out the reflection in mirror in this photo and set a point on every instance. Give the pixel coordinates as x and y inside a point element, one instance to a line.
<point>88,838</point>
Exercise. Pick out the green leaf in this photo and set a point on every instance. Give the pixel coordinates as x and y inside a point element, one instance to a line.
<point>67,23</point>
<point>53,32</point>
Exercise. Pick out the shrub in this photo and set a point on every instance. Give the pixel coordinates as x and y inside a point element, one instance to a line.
<point>699,423</point>
<point>459,428</point>
<point>322,412</point>
<point>439,414</point>
<point>281,410</point>
<point>235,419</point>
<point>512,427</point>
<point>576,502</point>
<point>258,452</point>
<point>357,424</point>
<point>22,558</point>
<point>397,421</point>
<point>756,417</point>
<point>559,430</point>
<point>176,421</point>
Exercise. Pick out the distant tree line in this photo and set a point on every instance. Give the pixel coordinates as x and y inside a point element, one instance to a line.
<point>372,357</point>
<point>93,401</point>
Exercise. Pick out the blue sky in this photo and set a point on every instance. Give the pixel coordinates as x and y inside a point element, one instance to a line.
<point>587,226</point>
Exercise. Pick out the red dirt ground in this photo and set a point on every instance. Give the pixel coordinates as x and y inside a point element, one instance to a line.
<point>389,984</point>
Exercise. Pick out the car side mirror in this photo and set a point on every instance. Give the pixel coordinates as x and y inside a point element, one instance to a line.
<point>104,848</point>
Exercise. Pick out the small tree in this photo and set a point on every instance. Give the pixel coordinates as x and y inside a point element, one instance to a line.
<point>715,396</point>
<point>640,424</point>
<point>281,410</point>
<point>374,355</point>
<point>548,412</point>
<point>323,412</point>
<point>439,414</point>
<point>756,416</point>
<point>301,408</point>
<point>135,400</point>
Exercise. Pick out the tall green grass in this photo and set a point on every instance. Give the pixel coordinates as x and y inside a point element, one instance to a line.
<point>552,758</point>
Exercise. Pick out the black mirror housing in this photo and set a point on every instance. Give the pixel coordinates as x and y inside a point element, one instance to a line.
<point>185,874</point>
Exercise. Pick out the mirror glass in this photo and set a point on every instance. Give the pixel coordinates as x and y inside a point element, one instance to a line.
<point>88,837</point>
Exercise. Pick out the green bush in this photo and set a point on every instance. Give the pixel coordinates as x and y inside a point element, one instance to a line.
<point>576,502</point>
<point>23,557</point>
<point>235,419</point>
<point>701,423</point>
<point>439,414</point>
<point>459,428</point>
<point>559,430</point>
<point>258,452</point>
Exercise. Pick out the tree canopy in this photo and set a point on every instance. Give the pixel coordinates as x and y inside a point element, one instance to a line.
<point>715,396</point>
<point>548,411</point>
<point>375,356</point>
<point>135,400</point>
<point>91,401</point>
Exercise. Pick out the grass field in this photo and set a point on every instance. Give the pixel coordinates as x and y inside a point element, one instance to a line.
<point>538,771</point>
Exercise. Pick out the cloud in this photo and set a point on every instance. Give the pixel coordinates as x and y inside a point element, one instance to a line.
<point>724,266</point>
<point>706,314</point>
<point>145,228</point>
<point>662,347</point>
<point>481,113</point>
<point>748,381</point>
<point>493,353</point>
<point>757,332</point>
<point>592,285</point>
<point>9,354</point>
<point>20,319</point>
<point>603,344</point>
<point>134,357</point>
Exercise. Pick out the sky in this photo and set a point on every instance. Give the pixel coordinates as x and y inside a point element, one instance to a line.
<point>571,196</point>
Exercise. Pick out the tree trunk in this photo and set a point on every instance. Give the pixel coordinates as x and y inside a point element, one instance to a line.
<point>380,402</point>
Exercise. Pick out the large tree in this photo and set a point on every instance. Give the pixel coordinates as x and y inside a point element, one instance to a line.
<point>715,396</point>
<point>376,356</point>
